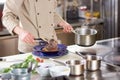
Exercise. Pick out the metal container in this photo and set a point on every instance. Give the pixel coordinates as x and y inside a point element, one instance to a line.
<point>85,36</point>
<point>93,62</point>
<point>20,74</point>
<point>76,67</point>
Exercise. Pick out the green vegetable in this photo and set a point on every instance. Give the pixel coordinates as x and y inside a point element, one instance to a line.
<point>6,70</point>
<point>16,66</point>
<point>24,64</point>
<point>30,57</point>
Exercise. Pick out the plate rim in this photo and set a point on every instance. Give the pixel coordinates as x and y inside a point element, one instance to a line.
<point>46,57</point>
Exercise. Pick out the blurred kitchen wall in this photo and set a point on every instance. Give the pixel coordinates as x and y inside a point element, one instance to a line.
<point>111,15</point>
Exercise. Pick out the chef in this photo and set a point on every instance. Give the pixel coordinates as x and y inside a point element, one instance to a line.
<point>31,19</point>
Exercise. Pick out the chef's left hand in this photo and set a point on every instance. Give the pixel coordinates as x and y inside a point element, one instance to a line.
<point>66,27</point>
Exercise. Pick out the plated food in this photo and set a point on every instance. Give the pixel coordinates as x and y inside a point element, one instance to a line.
<point>62,50</point>
<point>51,46</point>
<point>50,50</point>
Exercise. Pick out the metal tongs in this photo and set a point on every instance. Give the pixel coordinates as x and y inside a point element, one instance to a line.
<point>41,41</point>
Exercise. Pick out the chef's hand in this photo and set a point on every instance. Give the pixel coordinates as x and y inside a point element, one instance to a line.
<point>24,35</point>
<point>66,26</point>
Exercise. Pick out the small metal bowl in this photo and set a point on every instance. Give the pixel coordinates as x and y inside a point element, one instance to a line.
<point>20,74</point>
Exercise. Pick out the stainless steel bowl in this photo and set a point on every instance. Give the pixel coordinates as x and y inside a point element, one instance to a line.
<point>76,67</point>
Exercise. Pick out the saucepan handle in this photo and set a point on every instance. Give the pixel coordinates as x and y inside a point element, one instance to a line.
<point>78,53</point>
<point>57,61</point>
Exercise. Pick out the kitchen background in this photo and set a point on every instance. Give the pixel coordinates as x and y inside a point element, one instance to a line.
<point>106,21</point>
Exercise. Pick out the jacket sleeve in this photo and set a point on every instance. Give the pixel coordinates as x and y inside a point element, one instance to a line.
<point>9,18</point>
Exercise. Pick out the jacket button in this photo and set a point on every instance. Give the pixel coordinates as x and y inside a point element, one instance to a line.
<point>38,13</point>
<point>50,12</point>
<point>52,36</point>
<point>39,26</point>
<point>36,0</point>
<point>52,24</point>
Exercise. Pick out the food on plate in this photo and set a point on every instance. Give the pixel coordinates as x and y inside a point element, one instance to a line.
<point>51,46</point>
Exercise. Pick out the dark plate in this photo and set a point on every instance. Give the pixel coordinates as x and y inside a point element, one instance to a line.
<point>61,52</point>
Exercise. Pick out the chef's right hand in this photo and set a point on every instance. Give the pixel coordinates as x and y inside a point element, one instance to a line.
<point>24,35</point>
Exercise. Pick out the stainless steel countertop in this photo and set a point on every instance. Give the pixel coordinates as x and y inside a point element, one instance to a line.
<point>103,74</point>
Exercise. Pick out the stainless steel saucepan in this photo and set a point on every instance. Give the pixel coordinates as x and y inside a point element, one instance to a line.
<point>92,62</point>
<point>85,36</point>
<point>76,67</point>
